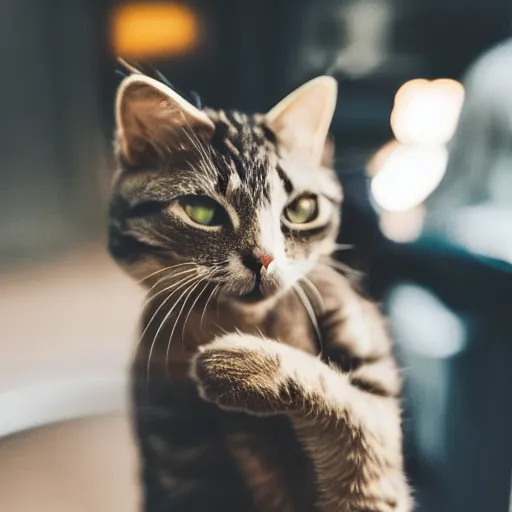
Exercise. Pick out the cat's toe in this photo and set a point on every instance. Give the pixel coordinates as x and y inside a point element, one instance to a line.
<point>237,376</point>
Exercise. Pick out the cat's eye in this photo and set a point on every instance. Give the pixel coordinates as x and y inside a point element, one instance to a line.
<point>203,210</point>
<point>302,210</point>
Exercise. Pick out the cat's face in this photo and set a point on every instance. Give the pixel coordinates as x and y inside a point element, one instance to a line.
<point>236,201</point>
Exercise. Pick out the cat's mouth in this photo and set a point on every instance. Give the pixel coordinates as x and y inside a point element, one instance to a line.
<point>264,287</point>
<point>255,295</point>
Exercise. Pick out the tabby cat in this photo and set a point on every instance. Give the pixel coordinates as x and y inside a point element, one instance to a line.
<point>262,381</point>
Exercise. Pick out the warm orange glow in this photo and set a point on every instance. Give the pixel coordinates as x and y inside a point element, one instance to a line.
<point>144,30</point>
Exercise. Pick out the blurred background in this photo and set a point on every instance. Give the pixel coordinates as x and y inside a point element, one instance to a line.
<point>423,131</point>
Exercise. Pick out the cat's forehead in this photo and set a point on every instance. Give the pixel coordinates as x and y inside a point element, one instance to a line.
<point>245,154</point>
<point>248,164</point>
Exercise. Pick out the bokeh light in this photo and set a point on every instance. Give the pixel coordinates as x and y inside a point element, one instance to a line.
<point>424,118</point>
<point>408,176</point>
<point>143,30</point>
<point>426,112</point>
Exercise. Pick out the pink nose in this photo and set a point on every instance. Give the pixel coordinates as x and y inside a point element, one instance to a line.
<point>265,260</point>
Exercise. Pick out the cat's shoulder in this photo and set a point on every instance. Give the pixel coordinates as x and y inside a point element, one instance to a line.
<point>330,281</point>
<point>337,290</point>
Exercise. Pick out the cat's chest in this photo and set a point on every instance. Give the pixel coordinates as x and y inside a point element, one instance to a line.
<point>287,321</point>
<point>170,341</point>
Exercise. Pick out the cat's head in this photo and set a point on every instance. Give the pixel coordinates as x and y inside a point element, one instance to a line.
<point>246,202</point>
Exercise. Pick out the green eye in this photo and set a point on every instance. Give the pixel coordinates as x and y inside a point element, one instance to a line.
<point>302,210</point>
<point>200,214</point>
<point>203,210</point>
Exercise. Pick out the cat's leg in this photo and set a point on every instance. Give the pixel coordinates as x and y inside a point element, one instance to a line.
<point>185,466</point>
<point>352,436</point>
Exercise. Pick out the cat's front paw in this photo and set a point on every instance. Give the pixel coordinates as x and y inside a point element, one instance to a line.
<point>242,372</point>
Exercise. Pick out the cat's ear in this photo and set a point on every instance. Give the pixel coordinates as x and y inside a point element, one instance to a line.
<point>151,117</point>
<point>301,121</point>
<point>328,152</point>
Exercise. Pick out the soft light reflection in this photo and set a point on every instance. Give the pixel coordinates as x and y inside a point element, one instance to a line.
<point>426,112</point>
<point>155,29</point>
<point>423,324</point>
<point>403,226</point>
<point>424,119</point>
<point>408,176</point>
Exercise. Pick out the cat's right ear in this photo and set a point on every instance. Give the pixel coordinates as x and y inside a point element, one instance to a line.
<point>151,119</point>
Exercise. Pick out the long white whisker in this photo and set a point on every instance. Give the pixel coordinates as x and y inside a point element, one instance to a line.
<point>343,247</point>
<point>163,270</point>
<point>311,313</point>
<point>204,157</point>
<point>190,291</point>
<point>168,314</point>
<point>177,286</point>
<point>206,305</point>
<point>150,296</point>
<point>344,269</point>
<point>315,291</point>
<point>182,283</point>
<point>194,303</point>
<point>194,287</point>
<point>158,293</point>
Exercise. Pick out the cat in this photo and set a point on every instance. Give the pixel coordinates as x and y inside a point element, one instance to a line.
<point>262,381</point>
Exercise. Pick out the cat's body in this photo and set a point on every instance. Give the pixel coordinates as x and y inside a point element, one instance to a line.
<point>207,456</point>
<point>262,382</point>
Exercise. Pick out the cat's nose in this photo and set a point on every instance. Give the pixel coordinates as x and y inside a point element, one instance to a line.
<point>265,260</point>
<point>257,261</point>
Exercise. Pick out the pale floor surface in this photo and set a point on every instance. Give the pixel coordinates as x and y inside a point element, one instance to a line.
<point>74,318</point>
<point>78,314</point>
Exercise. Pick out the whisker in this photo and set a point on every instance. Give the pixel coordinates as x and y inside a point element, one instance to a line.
<point>194,303</point>
<point>163,322</point>
<point>315,291</point>
<point>190,290</point>
<point>311,313</point>
<point>201,150</point>
<point>162,270</point>
<point>181,283</point>
<point>343,247</point>
<point>222,329</point>
<point>206,305</point>
<point>152,297</point>
<point>344,269</point>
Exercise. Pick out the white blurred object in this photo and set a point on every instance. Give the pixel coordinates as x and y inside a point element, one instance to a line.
<point>483,230</point>
<point>424,324</point>
<point>402,226</point>
<point>425,113</point>
<point>473,205</point>
<point>427,334</point>
<point>423,119</point>
<point>408,175</point>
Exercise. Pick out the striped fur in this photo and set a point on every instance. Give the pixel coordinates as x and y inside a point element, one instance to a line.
<point>233,408</point>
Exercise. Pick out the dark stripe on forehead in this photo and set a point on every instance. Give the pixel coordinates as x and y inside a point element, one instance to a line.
<point>269,134</point>
<point>222,183</point>
<point>288,185</point>
<point>241,144</point>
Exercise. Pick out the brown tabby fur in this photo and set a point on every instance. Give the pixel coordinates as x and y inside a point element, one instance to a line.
<point>286,404</point>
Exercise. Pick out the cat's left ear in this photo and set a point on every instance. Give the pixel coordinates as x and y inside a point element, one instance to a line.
<point>152,117</point>
<point>301,121</point>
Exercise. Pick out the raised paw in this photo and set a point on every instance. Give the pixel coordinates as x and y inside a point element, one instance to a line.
<point>242,372</point>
